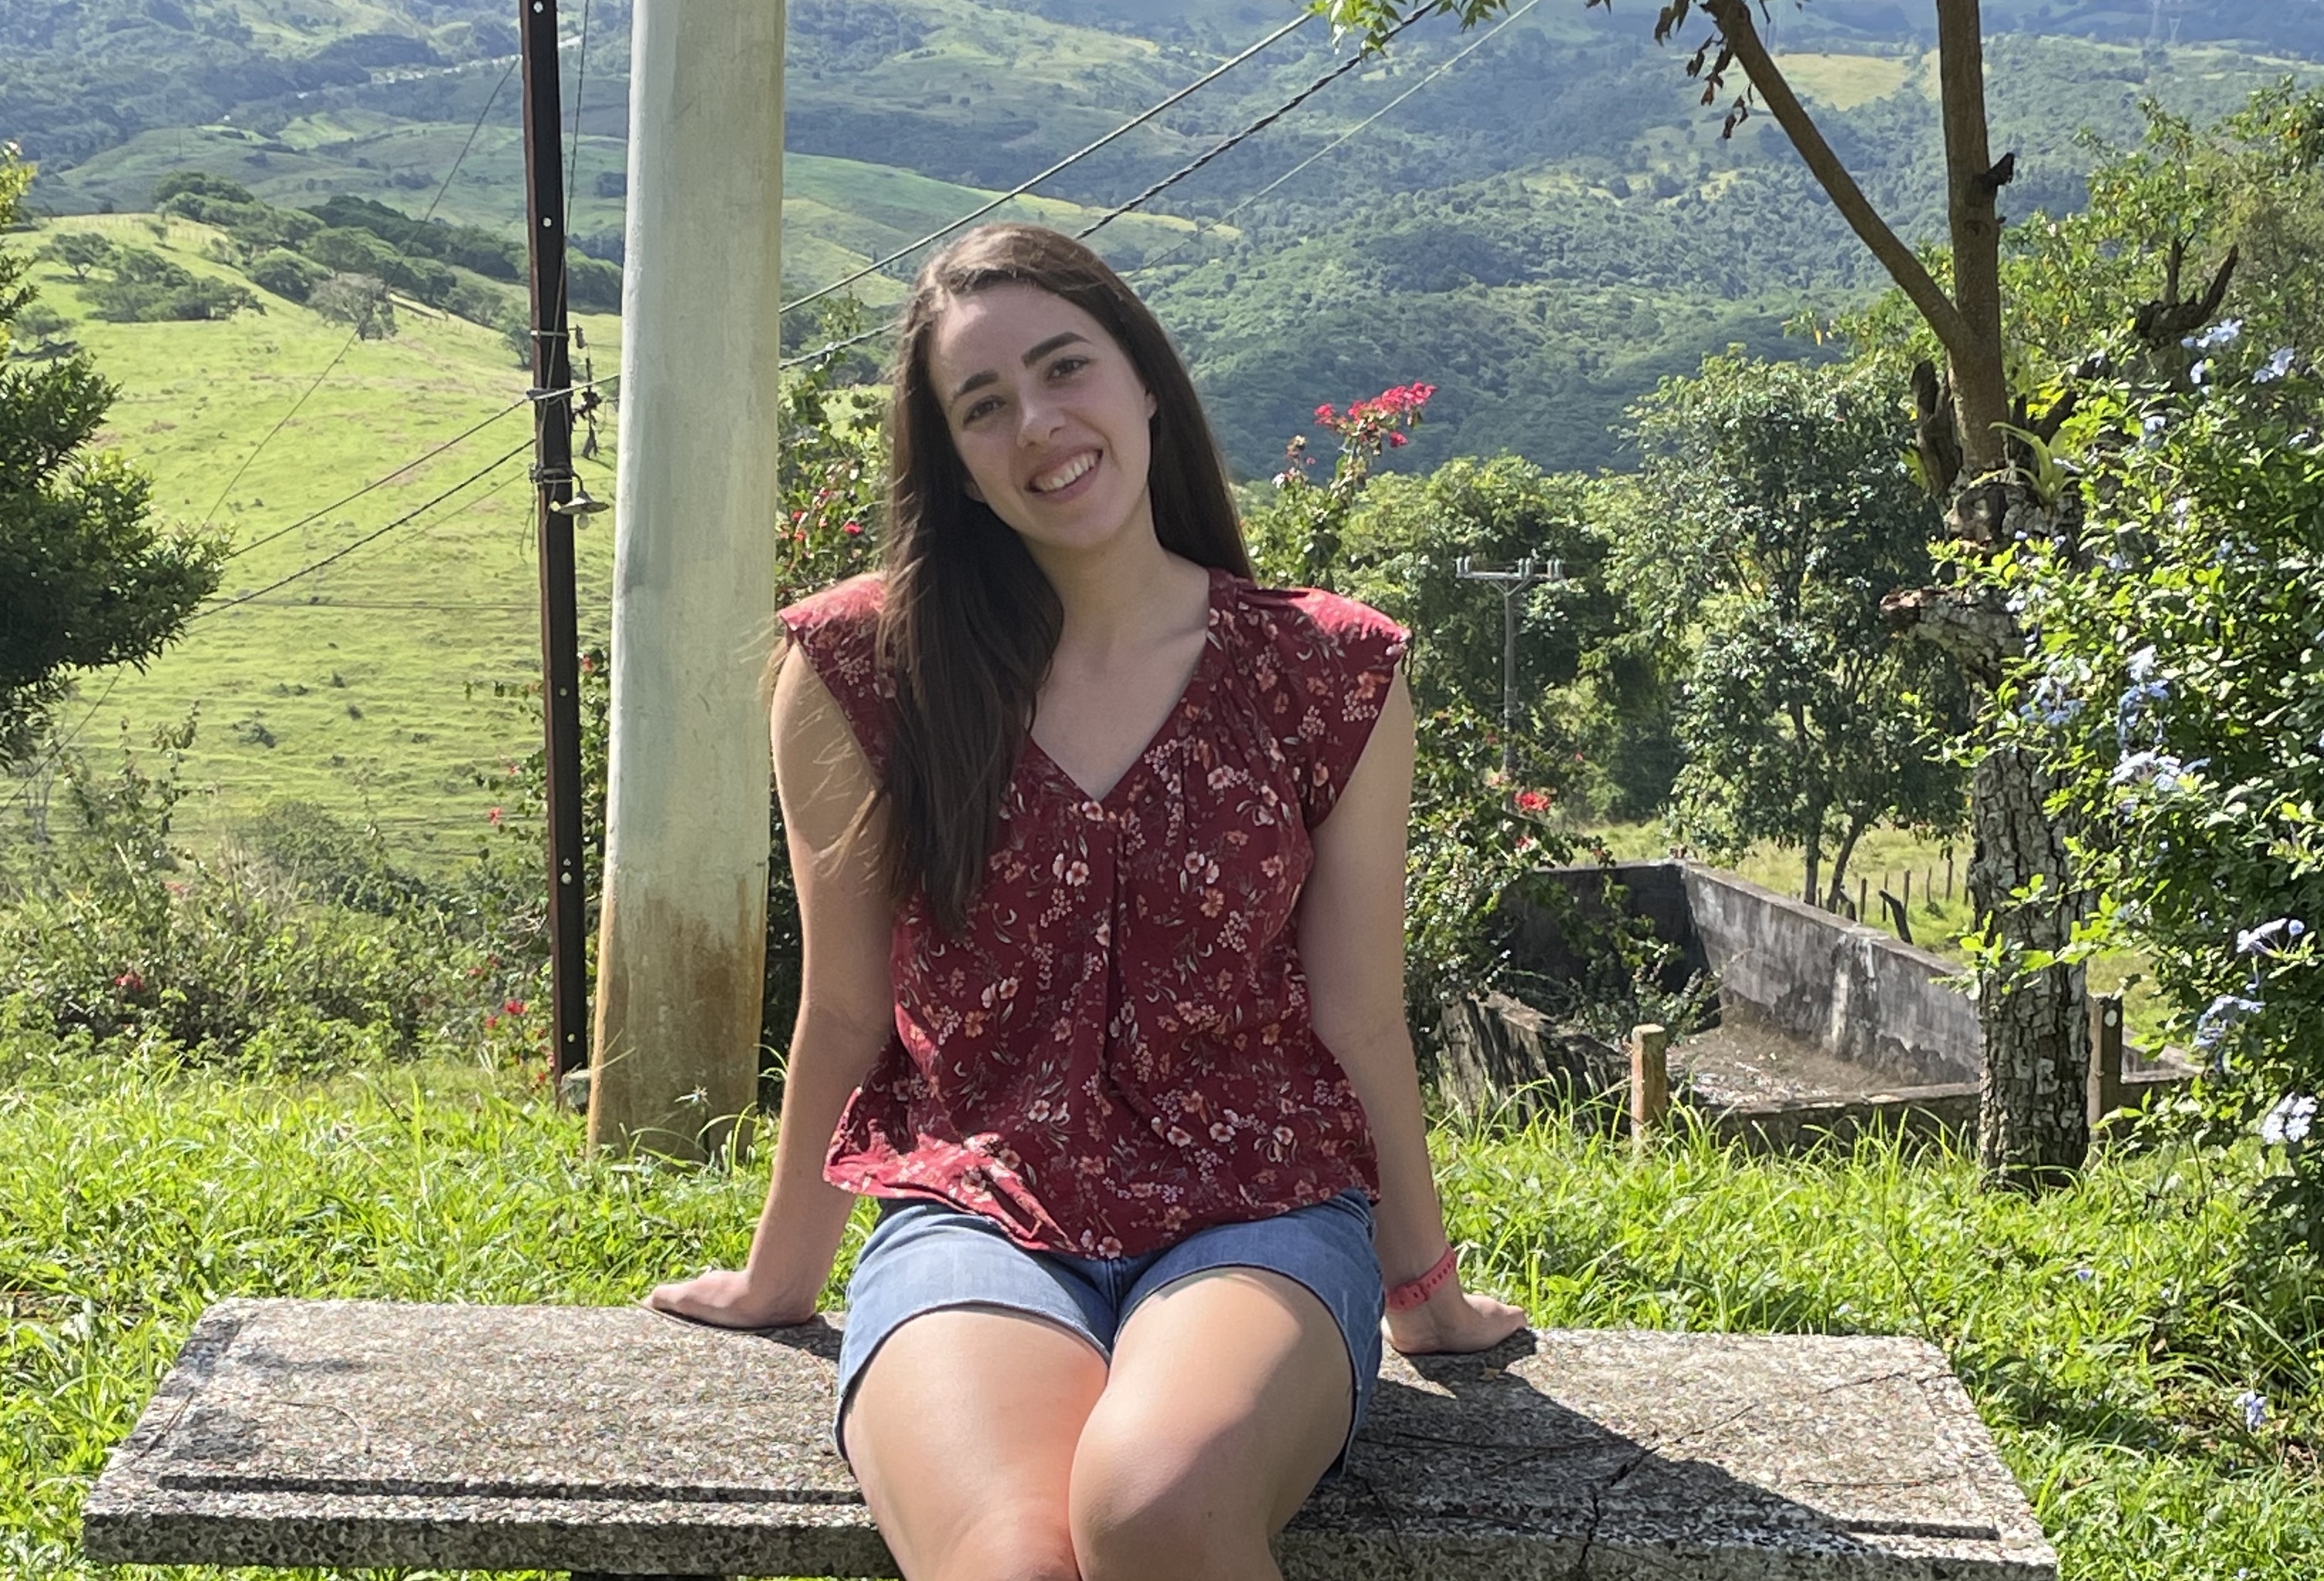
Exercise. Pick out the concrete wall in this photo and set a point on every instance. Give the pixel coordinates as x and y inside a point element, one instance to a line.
<point>1852,991</point>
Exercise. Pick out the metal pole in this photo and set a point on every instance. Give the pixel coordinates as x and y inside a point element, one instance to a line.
<point>1515,585</point>
<point>1510,596</point>
<point>560,660</point>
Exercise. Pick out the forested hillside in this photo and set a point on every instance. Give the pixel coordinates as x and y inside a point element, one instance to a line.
<point>1541,229</point>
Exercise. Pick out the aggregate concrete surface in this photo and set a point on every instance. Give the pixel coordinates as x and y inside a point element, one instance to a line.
<point>613,1440</point>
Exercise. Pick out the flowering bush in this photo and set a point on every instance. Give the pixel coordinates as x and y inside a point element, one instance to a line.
<point>2176,689</point>
<point>1314,516</point>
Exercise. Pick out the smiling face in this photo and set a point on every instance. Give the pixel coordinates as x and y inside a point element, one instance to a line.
<point>1048,415</point>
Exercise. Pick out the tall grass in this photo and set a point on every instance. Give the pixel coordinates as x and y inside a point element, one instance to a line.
<point>2106,1332</point>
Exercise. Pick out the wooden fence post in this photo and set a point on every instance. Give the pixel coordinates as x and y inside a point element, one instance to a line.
<point>1649,1080</point>
<point>2106,1057</point>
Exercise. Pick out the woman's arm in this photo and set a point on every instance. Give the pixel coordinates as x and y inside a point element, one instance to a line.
<point>846,1011</point>
<point>1351,945</point>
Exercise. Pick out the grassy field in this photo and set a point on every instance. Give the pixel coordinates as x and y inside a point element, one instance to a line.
<point>368,686</point>
<point>1845,81</point>
<point>2107,1332</point>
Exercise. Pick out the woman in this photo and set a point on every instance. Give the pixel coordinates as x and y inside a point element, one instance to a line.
<point>1099,855</point>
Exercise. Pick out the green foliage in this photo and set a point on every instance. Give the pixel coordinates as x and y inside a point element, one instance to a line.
<point>359,300</point>
<point>2176,695</point>
<point>147,289</point>
<point>286,274</point>
<point>1772,517</point>
<point>81,252</point>
<point>118,940</point>
<point>85,579</point>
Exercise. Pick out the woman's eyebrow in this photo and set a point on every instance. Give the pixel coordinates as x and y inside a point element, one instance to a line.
<point>978,380</point>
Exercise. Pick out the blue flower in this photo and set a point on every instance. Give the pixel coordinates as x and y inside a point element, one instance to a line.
<point>2152,425</point>
<point>2211,1027</point>
<point>2255,1409</point>
<point>2275,367</point>
<point>2270,937</point>
<point>2223,333</point>
<point>2199,371</point>
<point>2289,1121</point>
<point>2141,665</point>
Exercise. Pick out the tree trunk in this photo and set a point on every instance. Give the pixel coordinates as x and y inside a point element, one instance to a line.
<point>1973,179</point>
<point>1840,860</point>
<point>2032,1130</point>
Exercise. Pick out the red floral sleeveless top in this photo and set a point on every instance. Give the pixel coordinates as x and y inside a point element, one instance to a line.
<point>1117,1050</point>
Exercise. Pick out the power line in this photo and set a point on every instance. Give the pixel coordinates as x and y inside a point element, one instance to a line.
<point>1355,130</point>
<point>209,516</point>
<point>1072,159</point>
<point>64,743</point>
<point>1216,149</point>
<point>376,483</point>
<point>1146,197</point>
<point>367,538</point>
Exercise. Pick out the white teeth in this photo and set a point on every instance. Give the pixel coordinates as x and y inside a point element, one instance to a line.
<point>1050,483</point>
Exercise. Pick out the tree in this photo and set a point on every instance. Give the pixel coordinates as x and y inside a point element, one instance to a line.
<point>1772,517</point>
<point>87,579</point>
<point>81,252</point>
<point>357,299</point>
<point>2173,694</point>
<point>1976,449</point>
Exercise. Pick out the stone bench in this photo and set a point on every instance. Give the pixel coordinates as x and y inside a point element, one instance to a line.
<point>613,1440</point>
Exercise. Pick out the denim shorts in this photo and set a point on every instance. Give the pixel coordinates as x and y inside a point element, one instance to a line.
<point>924,1256</point>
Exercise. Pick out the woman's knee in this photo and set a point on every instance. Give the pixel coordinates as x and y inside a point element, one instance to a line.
<point>1146,1509</point>
<point>1018,1545</point>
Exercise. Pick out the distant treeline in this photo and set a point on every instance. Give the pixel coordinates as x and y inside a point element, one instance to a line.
<point>292,250</point>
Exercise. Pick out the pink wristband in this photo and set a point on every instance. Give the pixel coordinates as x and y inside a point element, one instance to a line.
<point>1414,1292</point>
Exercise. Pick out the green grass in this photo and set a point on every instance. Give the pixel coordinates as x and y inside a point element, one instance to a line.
<point>360,677</point>
<point>2101,1330</point>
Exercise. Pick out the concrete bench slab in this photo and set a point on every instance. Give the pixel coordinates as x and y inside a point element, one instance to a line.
<point>611,1439</point>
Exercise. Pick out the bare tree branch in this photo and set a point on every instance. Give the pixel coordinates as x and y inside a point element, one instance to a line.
<point>1741,36</point>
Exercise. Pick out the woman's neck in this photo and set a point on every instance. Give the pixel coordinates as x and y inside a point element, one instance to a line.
<point>1121,598</point>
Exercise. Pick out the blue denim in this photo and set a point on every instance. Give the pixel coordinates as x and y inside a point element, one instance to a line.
<point>924,1256</point>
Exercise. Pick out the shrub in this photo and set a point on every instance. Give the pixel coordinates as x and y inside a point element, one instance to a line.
<point>120,939</point>
<point>287,275</point>
<point>147,288</point>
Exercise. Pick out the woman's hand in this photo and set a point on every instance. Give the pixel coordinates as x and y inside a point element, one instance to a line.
<point>1453,1320</point>
<point>725,1298</point>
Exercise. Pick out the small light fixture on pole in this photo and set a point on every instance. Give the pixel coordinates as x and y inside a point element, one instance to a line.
<point>1529,574</point>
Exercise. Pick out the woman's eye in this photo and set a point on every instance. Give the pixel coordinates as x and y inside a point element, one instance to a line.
<point>1067,365</point>
<point>979,409</point>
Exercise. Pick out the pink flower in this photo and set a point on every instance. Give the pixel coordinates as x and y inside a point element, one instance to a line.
<point>493,818</point>
<point>513,1007</point>
<point>129,982</point>
<point>853,530</point>
<point>1533,802</point>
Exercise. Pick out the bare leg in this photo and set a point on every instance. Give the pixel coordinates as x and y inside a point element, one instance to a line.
<point>962,1432</point>
<point>1229,1396</point>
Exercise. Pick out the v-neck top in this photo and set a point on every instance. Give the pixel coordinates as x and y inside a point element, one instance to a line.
<point>1116,1050</point>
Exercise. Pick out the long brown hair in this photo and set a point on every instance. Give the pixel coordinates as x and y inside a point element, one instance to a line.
<point>969,623</point>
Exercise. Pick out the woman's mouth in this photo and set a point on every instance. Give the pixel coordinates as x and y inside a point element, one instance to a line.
<point>1061,478</point>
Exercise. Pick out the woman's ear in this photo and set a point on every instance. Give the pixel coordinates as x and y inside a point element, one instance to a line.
<point>968,486</point>
<point>1153,406</point>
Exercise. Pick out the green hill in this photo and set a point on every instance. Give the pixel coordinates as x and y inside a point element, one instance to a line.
<point>1541,231</point>
<point>369,684</point>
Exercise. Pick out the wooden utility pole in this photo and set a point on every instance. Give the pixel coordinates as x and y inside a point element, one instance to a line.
<point>560,657</point>
<point>682,944</point>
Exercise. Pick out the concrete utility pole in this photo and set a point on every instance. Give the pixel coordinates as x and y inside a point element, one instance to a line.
<point>681,948</point>
<point>1515,585</point>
